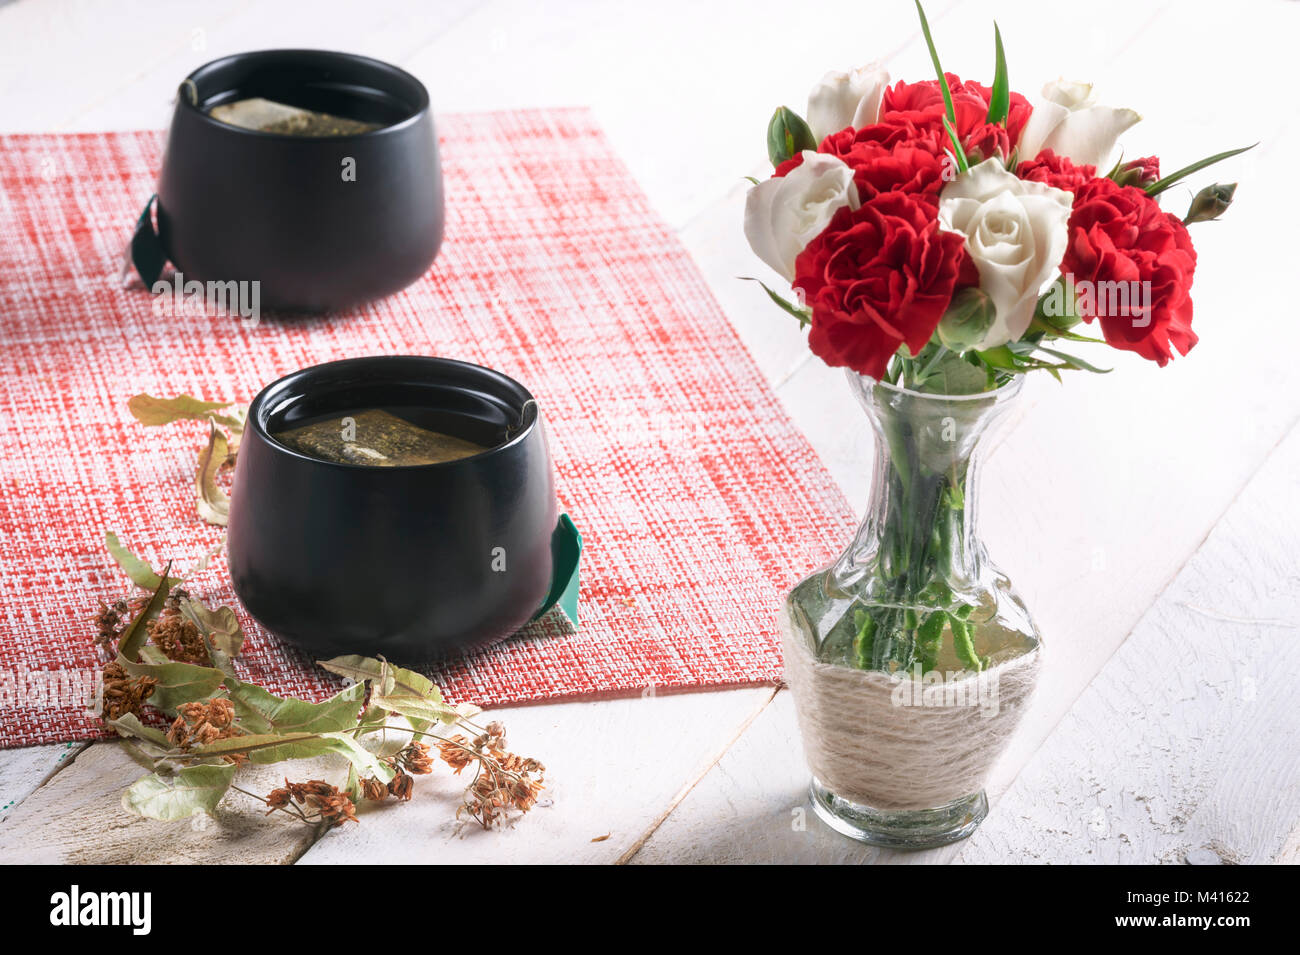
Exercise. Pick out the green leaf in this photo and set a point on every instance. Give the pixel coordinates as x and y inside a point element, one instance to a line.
<point>938,355</point>
<point>1073,361</point>
<point>154,412</point>
<point>1075,337</point>
<point>1160,185</point>
<point>213,503</point>
<point>133,638</point>
<point>262,712</point>
<point>194,789</point>
<point>1000,95</point>
<point>177,682</point>
<point>787,135</point>
<point>141,574</point>
<point>963,164</point>
<point>938,70</point>
<point>953,375</point>
<point>804,315</point>
<point>1000,357</point>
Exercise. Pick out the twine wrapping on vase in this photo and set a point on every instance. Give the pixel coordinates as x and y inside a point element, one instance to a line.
<point>889,743</point>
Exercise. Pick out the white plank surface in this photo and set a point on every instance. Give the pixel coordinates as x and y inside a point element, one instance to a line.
<point>1105,487</point>
<point>24,770</point>
<point>77,817</point>
<point>1184,744</point>
<point>612,767</point>
<point>752,808</point>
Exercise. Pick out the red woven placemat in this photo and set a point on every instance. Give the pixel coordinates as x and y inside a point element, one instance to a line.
<point>700,504</point>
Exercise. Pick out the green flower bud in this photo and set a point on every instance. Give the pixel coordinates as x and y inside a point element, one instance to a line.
<point>1058,308</point>
<point>787,134</point>
<point>969,317</point>
<point>1210,203</point>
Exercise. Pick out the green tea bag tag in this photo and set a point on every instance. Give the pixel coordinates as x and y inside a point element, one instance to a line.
<point>566,554</point>
<point>145,251</point>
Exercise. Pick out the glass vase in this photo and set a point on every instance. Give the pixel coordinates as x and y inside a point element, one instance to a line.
<point>911,658</point>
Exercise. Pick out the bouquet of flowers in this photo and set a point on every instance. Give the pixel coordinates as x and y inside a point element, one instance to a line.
<point>945,235</point>
<point>943,238</point>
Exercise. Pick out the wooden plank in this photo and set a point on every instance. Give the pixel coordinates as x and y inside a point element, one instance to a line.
<point>1183,748</point>
<point>683,89</point>
<point>612,767</point>
<point>128,67</point>
<point>23,771</point>
<point>752,808</point>
<point>77,817</point>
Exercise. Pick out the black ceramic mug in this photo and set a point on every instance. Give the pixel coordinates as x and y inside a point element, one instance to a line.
<point>321,222</point>
<point>414,563</point>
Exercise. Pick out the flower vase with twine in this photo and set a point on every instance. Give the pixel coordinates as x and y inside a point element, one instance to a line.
<point>911,658</point>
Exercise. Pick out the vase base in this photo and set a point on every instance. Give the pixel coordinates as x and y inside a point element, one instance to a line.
<point>900,829</point>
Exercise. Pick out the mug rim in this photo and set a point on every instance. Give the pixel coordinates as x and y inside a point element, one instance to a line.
<point>257,411</point>
<point>422,107</point>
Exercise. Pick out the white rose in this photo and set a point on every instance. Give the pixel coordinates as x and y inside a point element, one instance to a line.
<point>1071,123</point>
<point>846,99</point>
<point>1016,233</point>
<point>783,214</point>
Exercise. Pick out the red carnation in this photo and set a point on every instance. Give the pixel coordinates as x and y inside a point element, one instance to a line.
<point>1137,263</point>
<point>783,169</point>
<point>876,278</point>
<point>986,141</point>
<point>894,156</point>
<point>922,103</point>
<point>1055,171</point>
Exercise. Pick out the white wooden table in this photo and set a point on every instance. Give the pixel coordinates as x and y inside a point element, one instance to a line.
<point>1149,517</point>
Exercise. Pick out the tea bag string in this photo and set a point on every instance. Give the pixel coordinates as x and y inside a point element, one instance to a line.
<point>514,429</point>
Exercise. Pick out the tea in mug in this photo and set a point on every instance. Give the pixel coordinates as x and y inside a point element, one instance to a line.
<point>376,438</point>
<point>268,116</point>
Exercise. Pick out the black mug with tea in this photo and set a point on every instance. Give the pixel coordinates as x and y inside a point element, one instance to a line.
<point>395,505</point>
<point>311,172</point>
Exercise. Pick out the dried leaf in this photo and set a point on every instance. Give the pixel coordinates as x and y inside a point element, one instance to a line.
<point>134,636</point>
<point>138,569</point>
<point>213,502</point>
<point>154,412</point>
<point>194,789</point>
<point>129,725</point>
<point>265,748</point>
<point>220,629</point>
<point>379,672</point>
<point>393,688</point>
<point>262,712</point>
<point>177,682</point>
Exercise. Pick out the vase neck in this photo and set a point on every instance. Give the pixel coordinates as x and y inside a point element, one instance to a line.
<point>919,537</point>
